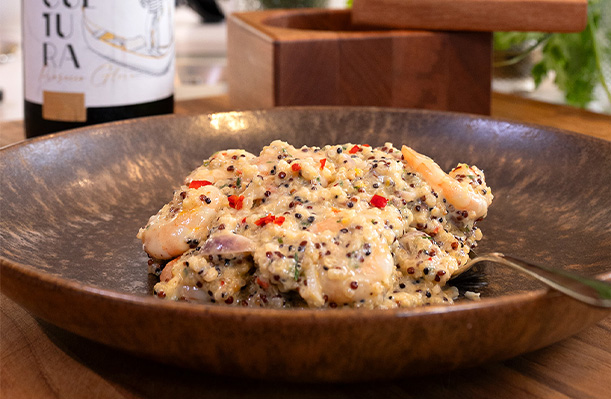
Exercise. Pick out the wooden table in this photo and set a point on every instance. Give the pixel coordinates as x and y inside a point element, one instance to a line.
<point>39,360</point>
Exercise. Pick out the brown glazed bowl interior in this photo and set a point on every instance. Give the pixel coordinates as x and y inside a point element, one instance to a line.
<point>71,205</point>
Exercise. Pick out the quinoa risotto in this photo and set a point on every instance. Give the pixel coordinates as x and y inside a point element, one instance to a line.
<point>339,226</point>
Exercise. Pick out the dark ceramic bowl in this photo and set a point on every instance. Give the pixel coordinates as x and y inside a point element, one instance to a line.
<point>71,205</point>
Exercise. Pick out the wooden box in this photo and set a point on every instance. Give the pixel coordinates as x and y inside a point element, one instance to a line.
<point>319,57</point>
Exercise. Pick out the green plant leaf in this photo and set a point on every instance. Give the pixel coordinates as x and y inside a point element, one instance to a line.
<point>576,60</point>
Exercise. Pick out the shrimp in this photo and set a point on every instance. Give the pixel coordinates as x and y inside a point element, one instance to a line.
<point>367,281</point>
<point>461,195</point>
<point>166,237</point>
<point>329,224</point>
<point>167,274</point>
<point>363,276</point>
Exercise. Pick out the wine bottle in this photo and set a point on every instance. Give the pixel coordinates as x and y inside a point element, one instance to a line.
<point>94,61</point>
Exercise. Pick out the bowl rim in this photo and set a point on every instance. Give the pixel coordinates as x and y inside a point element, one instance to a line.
<point>310,108</point>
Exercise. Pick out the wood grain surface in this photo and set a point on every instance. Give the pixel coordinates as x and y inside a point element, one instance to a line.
<point>474,15</point>
<point>38,360</point>
<point>41,361</point>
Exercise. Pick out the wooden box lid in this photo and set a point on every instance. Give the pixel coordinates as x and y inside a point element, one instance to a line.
<point>474,15</point>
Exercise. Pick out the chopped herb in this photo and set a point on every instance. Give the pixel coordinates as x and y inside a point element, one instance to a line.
<point>280,241</point>
<point>238,182</point>
<point>297,267</point>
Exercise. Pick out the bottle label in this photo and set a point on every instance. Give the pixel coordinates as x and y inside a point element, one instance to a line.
<point>96,53</point>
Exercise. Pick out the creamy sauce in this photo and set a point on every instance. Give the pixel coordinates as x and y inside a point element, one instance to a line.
<point>343,225</point>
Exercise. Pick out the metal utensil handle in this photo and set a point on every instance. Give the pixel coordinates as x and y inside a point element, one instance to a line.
<point>591,291</point>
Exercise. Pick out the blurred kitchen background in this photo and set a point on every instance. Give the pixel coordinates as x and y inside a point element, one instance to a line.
<point>201,43</point>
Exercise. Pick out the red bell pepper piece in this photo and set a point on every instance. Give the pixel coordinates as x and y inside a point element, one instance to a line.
<point>235,201</point>
<point>199,183</point>
<point>378,201</point>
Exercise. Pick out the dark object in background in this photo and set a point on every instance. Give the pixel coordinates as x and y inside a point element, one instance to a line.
<point>293,3</point>
<point>207,9</point>
<point>211,13</point>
